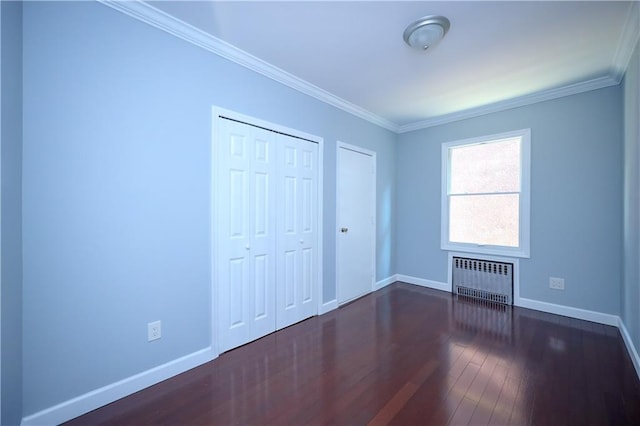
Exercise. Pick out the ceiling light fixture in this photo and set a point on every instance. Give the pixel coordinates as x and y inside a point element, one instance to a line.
<point>426,32</point>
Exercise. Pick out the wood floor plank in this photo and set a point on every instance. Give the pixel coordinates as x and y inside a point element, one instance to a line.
<point>405,393</point>
<point>404,355</point>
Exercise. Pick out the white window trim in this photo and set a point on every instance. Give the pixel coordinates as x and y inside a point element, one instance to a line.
<point>525,198</point>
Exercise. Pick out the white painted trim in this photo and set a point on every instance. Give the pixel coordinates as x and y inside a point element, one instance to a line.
<point>551,308</point>
<point>328,307</point>
<point>385,282</point>
<point>533,98</point>
<point>436,285</point>
<point>626,44</point>
<point>342,145</point>
<point>165,22</point>
<point>356,148</point>
<point>82,404</point>
<point>213,229</point>
<point>320,289</point>
<point>568,311</point>
<point>631,349</point>
<point>150,15</point>
<point>1,283</point>
<point>219,111</point>
<point>525,190</point>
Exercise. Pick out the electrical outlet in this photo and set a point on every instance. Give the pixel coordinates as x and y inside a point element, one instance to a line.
<point>556,283</point>
<point>154,330</point>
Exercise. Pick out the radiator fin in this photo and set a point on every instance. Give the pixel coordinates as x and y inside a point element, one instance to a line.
<point>483,279</point>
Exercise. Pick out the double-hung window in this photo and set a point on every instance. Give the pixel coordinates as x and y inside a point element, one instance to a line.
<point>485,194</point>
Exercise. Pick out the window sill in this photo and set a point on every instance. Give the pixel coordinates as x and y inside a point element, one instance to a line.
<point>487,250</point>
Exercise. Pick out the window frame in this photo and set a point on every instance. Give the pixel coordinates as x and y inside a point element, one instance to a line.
<point>523,250</point>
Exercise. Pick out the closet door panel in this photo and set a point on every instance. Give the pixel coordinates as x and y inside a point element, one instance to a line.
<point>246,232</point>
<point>233,233</point>
<point>263,235</point>
<point>297,239</point>
<point>308,231</point>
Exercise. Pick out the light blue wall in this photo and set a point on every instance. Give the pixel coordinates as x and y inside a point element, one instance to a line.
<point>115,212</point>
<point>576,197</point>
<point>11,152</point>
<point>631,283</point>
<point>117,133</point>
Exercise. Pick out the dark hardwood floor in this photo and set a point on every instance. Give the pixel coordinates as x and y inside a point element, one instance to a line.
<point>404,355</point>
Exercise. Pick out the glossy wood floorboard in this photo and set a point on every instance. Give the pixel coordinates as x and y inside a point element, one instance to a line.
<point>404,355</point>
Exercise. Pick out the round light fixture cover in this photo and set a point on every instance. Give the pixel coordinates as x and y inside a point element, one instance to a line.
<point>426,32</point>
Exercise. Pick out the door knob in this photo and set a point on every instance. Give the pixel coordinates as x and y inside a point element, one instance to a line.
<point>247,247</point>
<point>344,230</point>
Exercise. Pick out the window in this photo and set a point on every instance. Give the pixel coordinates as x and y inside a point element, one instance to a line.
<point>485,194</point>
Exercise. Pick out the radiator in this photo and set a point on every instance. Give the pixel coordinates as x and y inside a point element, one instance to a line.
<point>483,279</point>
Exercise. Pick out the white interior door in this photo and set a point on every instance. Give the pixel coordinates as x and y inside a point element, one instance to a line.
<point>246,208</point>
<point>356,206</point>
<point>297,229</point>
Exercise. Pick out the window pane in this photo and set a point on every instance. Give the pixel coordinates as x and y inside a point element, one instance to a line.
<point>488,167</point>
<point>484,219</point>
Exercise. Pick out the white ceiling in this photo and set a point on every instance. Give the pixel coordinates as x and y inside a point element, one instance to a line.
<point>495,54</point>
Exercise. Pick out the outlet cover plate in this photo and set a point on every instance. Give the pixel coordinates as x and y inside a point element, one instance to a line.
<point>154,330</point>
<point>556,283</point>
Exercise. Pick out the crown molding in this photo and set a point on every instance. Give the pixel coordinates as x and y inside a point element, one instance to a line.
<point>150,15</point>
<point>628,40</point>
<point>627,43</point>
<point>545,95</point>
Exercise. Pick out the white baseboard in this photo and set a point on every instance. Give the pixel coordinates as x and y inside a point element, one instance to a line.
<point>333,304</point>
<point>424,283</point>
<point>385,282</point>
<point>99,397</point>
<point>568,311</point>
<point>328,306</point>
<point>551,308</point>
<point>633,353</point>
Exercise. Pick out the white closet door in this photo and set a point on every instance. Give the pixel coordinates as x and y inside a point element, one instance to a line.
<point>297,218</point>
<point>246,208</point>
